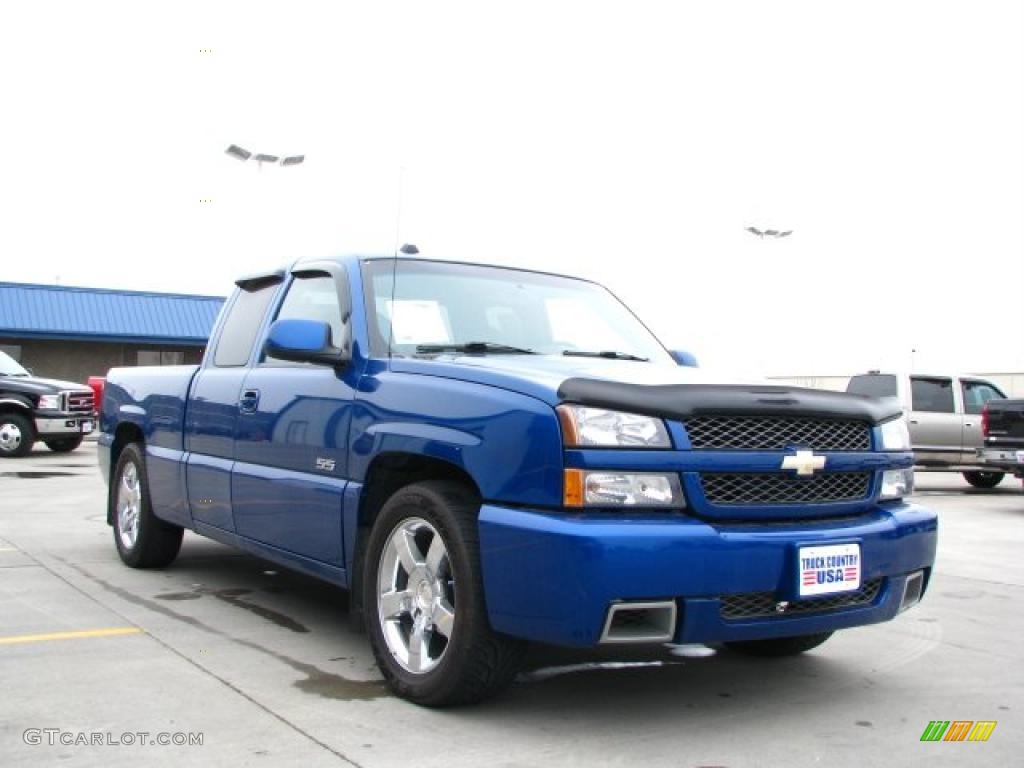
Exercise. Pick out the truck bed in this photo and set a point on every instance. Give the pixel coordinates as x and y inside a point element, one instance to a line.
<point>151,398</point>
<point>1004,436</point>
<point>1005,423</point>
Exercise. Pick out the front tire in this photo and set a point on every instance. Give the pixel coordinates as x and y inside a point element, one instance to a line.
<point>982,479</point>
<point>16,435</point>
<point>64,444</point>
<point>777,647</point>
<point>142,539</point>
<point>424,600</point>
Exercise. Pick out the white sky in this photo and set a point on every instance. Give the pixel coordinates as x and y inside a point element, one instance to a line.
<point>628,142</point>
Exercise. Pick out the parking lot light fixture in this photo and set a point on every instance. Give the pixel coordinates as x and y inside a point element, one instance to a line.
<point>773,233</point>
<point>237,152</point>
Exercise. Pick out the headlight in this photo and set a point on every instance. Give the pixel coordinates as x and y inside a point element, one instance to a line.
<point>49,403</point>
<point>584,427</point>
<point>896,483</point>
<point>895,435</point>
<point>608,488</point>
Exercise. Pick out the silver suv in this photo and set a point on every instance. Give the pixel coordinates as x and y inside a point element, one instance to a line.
<point>944,415</point>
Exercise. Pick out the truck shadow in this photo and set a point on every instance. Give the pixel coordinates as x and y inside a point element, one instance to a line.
<point>634,683</point>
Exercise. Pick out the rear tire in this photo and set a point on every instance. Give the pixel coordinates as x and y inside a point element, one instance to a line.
<point>16,435</point>
<point>777,647</point>
<point>982,479</point>
<point>423,599</point>
<point>142,539</point>
<point>64,444</point>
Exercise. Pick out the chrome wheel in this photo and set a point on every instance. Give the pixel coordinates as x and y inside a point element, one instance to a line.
<point>129,499</point>
<point>10,437</point>
<point>416,596</point>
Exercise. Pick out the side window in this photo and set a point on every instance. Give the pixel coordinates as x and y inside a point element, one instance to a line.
<point>935,395</point>
<point>14,350</point>
<point>977,393</point>
<point>314,297</point>
<point>874,384</point>
<point>243,321</point>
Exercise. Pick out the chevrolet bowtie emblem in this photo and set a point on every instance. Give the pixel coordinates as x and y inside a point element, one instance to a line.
<point>805,462</point>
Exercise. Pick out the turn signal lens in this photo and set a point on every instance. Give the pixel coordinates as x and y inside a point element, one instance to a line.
<point>602,488</point>
<point>897,483</point>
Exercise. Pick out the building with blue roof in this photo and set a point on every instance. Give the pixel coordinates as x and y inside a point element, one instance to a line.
<point>72,333</point>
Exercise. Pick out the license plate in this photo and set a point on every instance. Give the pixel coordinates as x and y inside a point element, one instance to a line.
<point>1020,457</point>
<point>828,570</point>
<point>86,426</point>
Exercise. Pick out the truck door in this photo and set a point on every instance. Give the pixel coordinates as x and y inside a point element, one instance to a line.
<point>975,393</point>
<point>935,426</point>
<point>291,464</point>
<point>212,413</point>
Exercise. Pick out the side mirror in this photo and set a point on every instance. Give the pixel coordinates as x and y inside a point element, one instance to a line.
<point>303,341</point>
<point>684,358</point>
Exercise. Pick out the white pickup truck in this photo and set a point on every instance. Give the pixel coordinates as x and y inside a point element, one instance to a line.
<point>944,415</point>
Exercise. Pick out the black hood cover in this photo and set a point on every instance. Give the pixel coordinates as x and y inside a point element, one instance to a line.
<point>31,385</point>
<point>682,401</point>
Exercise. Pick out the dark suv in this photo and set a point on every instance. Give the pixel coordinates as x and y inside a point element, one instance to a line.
<point>60,413</point>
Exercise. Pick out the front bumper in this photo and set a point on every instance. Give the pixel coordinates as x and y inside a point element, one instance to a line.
<point>1004,459</point>
<point>551,577</point>
<point>64,425</point>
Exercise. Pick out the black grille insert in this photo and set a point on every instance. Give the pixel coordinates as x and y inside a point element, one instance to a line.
<point>80,402</point>
<point>751,605</point>
<point>758,488</point>
<point>756,433</point>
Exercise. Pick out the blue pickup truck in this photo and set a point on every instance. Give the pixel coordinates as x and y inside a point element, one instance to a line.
<point>488,456</point>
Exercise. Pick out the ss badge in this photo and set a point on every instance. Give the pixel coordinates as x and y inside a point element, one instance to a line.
<point>324,465</point>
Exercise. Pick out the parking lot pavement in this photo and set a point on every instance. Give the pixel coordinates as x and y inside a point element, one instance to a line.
<point>262,663</point>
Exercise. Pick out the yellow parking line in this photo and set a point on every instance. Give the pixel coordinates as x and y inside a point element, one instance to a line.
<point>108,632</point>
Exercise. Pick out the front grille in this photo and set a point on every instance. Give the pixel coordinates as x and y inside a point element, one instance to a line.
<point>79,402</point>
<point>735,488</point>
<point>751,605</point>
<point>757,433</point>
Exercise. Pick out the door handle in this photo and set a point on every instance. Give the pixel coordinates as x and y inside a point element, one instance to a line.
<point>249,401</point>
<point>968,423</point>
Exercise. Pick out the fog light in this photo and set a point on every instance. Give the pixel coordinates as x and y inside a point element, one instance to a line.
<point>897,483</point>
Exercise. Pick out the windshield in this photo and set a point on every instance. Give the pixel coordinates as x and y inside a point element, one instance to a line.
<point>8,366</point>
<point>438,307</point>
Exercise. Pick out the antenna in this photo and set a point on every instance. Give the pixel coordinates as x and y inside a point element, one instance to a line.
<point>394,262</point>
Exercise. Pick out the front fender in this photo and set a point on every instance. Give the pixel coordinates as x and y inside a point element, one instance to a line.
<point>509,443</point>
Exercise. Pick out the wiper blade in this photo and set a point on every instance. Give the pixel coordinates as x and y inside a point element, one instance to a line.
<point>608,354</point>
<point>475,348</point>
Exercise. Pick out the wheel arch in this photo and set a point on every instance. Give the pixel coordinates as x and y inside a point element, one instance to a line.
<point>386,474</point>
<point>125,434</point>
<point>14,404</point>
<point>393,470</point>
